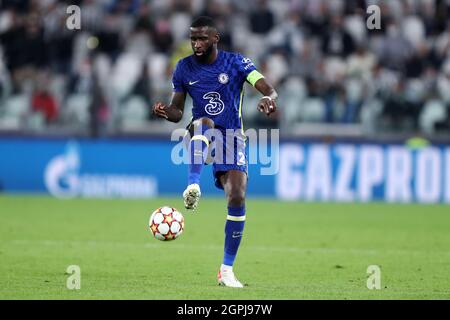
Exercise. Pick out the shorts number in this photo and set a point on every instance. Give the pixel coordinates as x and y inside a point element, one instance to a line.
<point>215,105</point>
<point>241,160</point>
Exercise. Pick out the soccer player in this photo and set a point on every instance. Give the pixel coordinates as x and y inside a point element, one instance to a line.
<point>215,81</point>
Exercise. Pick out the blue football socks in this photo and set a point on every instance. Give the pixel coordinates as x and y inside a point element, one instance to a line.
<point>198,148</point>
<point>234,228</point>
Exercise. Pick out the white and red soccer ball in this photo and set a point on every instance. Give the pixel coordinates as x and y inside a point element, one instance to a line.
<point>166,223</point>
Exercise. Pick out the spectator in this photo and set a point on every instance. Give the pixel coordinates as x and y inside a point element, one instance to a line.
<point>162,36</point>
<point>323,44</point>
<point>98,110</point>
<point>337,41</point>
<point>395,49</point>
<point>262,19</point>
<point>43,102</point>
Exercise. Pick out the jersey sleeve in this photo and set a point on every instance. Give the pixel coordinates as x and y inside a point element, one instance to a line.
<point>177,79</point>
<point>248,70</point>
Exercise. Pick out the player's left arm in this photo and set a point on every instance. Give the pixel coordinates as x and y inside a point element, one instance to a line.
<point>267,103</point>
<point>247,69</point>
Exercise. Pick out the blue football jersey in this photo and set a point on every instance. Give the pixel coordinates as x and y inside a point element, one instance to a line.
<point>217,89</point>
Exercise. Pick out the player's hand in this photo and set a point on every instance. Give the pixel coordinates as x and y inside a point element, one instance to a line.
<point>267,105</point>
<point>159,109</point>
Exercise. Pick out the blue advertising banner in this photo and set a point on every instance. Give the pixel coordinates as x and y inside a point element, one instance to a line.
<point>305,172</point>
<point>365,172</point>
<point>101,169</point>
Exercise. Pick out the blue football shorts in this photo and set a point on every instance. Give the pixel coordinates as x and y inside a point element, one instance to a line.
<point>228,153</point>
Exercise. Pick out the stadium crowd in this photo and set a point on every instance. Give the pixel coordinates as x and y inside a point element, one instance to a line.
<point>327,65</point>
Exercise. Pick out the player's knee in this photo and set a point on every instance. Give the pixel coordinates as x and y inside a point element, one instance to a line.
<point>200,126</point>
<point>203,122</point>
<point>236,198</point>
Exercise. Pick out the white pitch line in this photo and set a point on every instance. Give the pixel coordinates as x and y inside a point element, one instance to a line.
<point>218,247</point>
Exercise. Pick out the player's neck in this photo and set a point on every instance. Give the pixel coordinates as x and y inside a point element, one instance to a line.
<point>210,59</point>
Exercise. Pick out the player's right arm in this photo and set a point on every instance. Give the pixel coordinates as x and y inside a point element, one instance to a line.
<point>174,111</point>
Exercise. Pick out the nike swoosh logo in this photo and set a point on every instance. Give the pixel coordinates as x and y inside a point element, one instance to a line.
<point>193,82</point>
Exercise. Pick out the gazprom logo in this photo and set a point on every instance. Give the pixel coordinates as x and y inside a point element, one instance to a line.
<point>61,174</point>
<point>63,178</point>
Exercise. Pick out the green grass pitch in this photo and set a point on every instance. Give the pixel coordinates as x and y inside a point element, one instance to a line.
<point>290,250</point>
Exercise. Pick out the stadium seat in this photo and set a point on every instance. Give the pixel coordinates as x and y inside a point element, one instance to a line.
<point>14,111</point>
<point>157,68</point>
<point>57,87</point>
<point>17,106</point>
<point>125,74</point>
<point>294,93</point>
<point>179,23</point>
<point>312,110</point>
<point>102,66</point>
<point>76,109</point>
<point>370,113</point>
<point>249,110</point>
<point>10,123</point>
<point>134,113</point>
<point>433,112</point>
<point>36,121</point>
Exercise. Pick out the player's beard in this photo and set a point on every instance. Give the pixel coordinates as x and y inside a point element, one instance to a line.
<point>206,56</point>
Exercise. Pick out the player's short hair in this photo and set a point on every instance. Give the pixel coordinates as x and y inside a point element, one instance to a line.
<point>203,21</point>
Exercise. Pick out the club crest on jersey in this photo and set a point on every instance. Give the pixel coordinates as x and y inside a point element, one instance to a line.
<point>223,78</point>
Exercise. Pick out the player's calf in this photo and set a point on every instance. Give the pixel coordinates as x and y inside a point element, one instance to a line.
<point>198,148</point>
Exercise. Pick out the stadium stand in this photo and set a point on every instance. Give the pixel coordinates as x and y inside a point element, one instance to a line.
<point>328,67</point>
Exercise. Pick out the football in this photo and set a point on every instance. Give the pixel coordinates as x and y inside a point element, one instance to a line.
<point>166,223</point>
